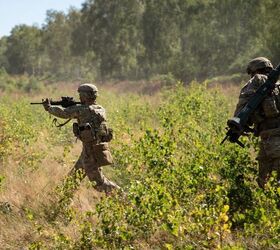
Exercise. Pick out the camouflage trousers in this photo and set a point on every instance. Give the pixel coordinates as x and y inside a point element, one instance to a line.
<point>269,156</point>
<point>91,168</point>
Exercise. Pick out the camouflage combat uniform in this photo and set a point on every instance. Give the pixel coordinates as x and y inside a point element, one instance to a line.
<point>266,121</point>
<point>91,129</point>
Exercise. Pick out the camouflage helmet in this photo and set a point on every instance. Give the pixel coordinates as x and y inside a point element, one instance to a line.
<point>257,64</point>
<point>89,90</point>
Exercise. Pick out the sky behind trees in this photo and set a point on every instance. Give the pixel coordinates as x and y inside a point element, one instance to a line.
<point>15,12</point>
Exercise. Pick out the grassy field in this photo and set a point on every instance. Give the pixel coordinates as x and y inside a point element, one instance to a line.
<point>183,190</point>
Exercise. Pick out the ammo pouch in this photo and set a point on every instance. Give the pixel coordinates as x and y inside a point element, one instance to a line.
<point>102,154</point>
<point>108,136</point>
<point>104,134</point>
<point>76,131</point>
<point>84,133</point>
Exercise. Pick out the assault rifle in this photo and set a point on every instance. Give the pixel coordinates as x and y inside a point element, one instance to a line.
<point>238,125</point>
<point>66,101</point>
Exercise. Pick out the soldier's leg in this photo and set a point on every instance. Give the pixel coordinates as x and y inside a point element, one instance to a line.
<point>265,164</point>
<point>276,168</point>
<point>94,173</point>
<point>103,183</point>
<point>265,168</point>
<point>269,159</point>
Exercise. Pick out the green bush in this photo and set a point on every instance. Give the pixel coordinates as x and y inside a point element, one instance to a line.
<point>20,84</point>
<point>181,188</point>
<point>184,187</point>
<point>1,180</point>
<point>164,79</point>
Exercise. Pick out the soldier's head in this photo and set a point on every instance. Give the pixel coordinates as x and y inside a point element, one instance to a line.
<point>88,93</point>
<point>259,65</point>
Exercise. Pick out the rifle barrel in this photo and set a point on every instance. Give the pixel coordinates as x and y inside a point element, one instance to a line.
<point>35,103</point>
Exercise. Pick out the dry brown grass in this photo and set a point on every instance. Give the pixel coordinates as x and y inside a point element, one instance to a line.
<point>29,191</point>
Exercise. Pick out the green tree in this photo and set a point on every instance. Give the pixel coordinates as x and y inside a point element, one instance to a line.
<point>269,22</point>
<point>57,40</point>
<point>126,39</point>
<point>217,37</point>
<point>161,35</point>
<point>3,48</point>
<point>23,50</point>
<point>113,34</point>
<point>85,62</point>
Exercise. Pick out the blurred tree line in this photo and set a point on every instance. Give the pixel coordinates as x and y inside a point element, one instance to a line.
<point>140,39</point>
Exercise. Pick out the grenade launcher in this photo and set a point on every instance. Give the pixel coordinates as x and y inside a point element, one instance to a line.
<point>238,125</point>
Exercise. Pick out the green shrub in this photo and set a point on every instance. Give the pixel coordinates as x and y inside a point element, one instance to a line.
<point>181,188</point>
<point>184,185</point>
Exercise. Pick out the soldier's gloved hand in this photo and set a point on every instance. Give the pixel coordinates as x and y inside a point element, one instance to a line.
<point>233,135</point>
<point>46,103</point>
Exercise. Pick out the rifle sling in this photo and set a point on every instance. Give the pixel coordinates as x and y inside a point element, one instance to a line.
<point>59,125</point>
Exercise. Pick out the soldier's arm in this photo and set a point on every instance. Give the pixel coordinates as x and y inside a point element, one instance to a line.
<point>64,113</point>
<point>248,91</point>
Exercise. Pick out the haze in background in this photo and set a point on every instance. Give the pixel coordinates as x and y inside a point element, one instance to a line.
<point>14,12</point>
<point>139,40</point>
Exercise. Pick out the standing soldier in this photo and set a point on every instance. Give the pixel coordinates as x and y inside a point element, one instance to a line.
<point>266,119</point>
<point>91,128</point>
